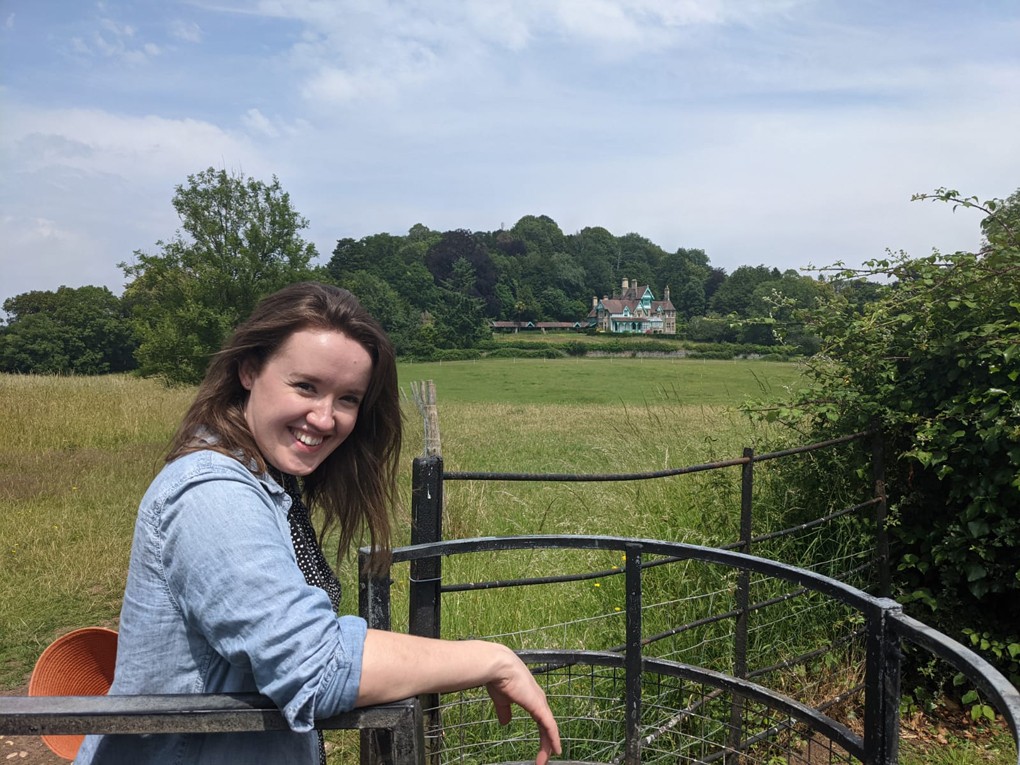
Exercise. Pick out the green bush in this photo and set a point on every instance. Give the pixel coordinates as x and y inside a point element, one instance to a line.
<point>545,352</point>
<point>936,360</point>
<point>574,348</point>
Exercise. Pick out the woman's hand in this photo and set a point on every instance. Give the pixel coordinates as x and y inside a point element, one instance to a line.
<point>396,666</point>
<point>519,687</point>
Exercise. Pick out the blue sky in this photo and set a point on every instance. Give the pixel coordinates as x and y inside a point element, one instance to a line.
<point>784,132</point>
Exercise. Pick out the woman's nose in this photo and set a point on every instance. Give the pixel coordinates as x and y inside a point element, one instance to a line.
<point>321,415</point>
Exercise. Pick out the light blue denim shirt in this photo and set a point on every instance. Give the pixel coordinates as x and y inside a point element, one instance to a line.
<point>215,603</point>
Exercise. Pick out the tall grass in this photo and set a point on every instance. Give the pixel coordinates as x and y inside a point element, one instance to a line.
<point>77,453</point>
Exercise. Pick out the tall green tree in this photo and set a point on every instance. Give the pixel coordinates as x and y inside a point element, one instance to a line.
<point>70,331</point>
<point>239,241</point>
<point>736,293</point>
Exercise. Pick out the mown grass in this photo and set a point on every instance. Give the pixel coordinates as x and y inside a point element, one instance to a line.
<point>605,381</point>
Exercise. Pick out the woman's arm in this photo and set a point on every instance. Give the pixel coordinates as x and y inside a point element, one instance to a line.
<point>395,666</point>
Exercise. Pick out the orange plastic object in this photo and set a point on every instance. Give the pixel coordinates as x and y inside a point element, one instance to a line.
<point>79,663</point>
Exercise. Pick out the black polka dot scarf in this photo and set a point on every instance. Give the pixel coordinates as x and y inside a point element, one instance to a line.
<point>310,560</point>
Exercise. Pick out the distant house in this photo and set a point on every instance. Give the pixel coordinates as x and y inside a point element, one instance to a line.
<point>635,309</point>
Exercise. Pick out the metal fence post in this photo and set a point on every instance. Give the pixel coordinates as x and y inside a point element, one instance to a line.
<point>878,491</point>
<point>882,687</point>
<point>374,608</point>
<point>632,658</point>
<point>742,597</point>
<point>373,595</point>
<point>426,578</point>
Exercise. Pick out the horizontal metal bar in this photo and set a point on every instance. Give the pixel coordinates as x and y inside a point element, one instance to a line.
<point>460,475</point>
<point>813,447</point>
<point>774,700</point>
<point>527,581</point>
<point>806,657</point>
<point>455,475</point>
<point>816,522</point>
<point>868,604</point>
<point>175,713</point>
<point>493,585</point>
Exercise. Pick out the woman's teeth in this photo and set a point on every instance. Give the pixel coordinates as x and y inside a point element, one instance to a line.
<point>306,439</point>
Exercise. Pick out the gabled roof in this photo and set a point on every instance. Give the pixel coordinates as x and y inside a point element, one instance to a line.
<point>511,324</point>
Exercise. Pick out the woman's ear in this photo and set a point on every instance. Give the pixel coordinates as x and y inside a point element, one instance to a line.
<point>246,373</point>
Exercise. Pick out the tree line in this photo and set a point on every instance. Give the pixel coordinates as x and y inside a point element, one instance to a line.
<point>241,239</point>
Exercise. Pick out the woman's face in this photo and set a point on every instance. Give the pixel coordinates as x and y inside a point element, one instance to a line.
<point>304,401</point>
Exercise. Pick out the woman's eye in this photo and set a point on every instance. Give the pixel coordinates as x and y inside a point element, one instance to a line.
<point>308,387</point>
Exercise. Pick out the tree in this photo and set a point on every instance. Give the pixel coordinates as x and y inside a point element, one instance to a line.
<point>454,246</point>
<point>70,331</point>
<point>240,242</point>
<point>936,361</point>
<point>734,295</point>
<point>596,250</point>
<point>685,273</point>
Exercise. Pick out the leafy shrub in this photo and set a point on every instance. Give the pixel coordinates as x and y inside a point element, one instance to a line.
<point>936,360</point>
<point>574,348</point>
<point>546,352</point>
<point>711,355</point>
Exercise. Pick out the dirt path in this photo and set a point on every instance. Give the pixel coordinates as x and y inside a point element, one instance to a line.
<point>15,750</point>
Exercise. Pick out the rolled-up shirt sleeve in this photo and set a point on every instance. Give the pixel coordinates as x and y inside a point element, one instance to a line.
<point>233,575</point>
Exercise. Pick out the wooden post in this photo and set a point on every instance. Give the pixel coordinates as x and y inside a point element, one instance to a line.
<point>424,393</point>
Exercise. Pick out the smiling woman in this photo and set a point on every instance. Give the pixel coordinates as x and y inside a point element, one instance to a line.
<point>228,589</point>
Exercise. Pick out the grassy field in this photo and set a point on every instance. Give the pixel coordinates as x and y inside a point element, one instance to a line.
<point>77,454</point>
<point>604,381</point>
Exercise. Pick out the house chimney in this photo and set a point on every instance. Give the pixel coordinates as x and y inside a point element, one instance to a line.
<point>594,302</point>
<point>666,294</point>
<point>626,284</point>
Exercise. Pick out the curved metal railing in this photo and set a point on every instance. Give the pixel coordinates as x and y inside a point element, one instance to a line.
<point>885,626</point>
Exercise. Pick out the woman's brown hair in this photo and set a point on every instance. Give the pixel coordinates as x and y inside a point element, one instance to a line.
<point>356,485</point>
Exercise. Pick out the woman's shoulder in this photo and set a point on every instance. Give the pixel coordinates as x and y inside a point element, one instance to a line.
<point>200,466</point>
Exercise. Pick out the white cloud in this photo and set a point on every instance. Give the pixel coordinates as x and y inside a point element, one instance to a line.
<point>85,187</point>
<point>188,31</point>
<point>117,41</point>
<point>119,30</point>
<point>256,122</point>
<point>9,24</point>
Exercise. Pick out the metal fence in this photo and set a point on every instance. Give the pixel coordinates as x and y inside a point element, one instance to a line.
<point>627,708</point>
<point>427,585</point>
<point>391,734</point>
<point>619,705</point>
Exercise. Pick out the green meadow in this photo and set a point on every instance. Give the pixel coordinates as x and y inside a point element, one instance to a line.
<point>604,381</point>
<point>77,453</point>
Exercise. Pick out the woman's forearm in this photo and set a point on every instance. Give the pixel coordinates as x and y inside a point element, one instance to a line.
<point>395,666</point>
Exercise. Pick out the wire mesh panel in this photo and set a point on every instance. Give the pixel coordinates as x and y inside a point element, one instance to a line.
<point>684,719</point>
<point>662,684</point>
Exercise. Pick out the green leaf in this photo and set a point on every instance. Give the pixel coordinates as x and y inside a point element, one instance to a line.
<point>975,571</point>
<point>978,528</point>
<point>969,697</point>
